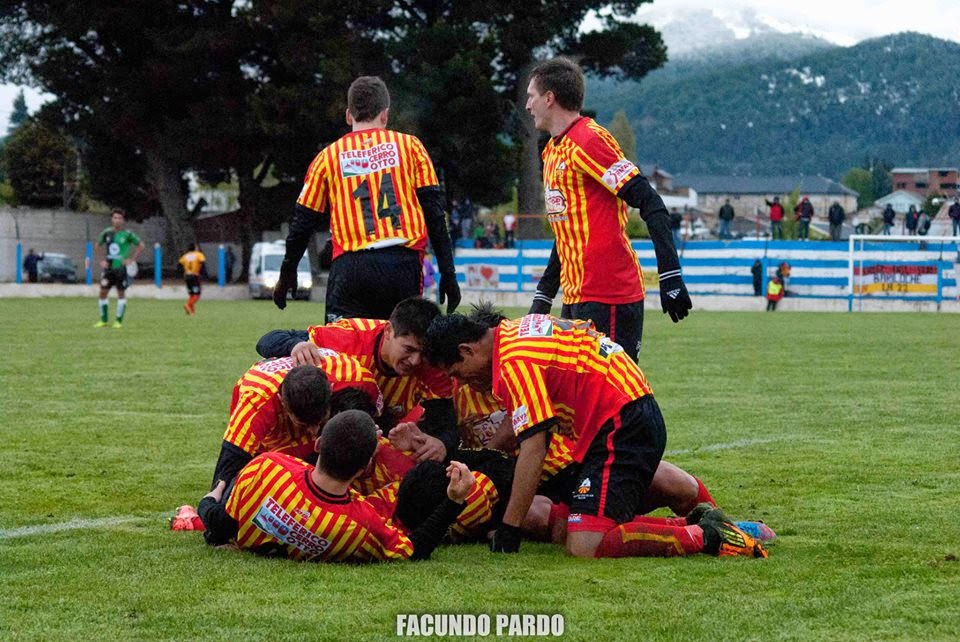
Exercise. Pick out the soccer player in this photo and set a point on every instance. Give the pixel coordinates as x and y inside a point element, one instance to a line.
<point>277,406</point>
<point>113,250</point>
<point>587,185</point>
<point>391,350</point>
<point>192,262</point>
<point>282,506</point>
<point>562,376</point>
<point>380,194</point>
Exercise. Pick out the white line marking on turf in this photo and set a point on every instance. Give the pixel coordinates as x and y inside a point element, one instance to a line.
<point>740,443</point>
<point>73,524</point>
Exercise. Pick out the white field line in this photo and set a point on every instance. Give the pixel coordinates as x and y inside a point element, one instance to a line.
<point>74,524</point>
<point>740,443</point>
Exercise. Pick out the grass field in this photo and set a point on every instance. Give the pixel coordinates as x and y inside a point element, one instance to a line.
<point>841,431</point>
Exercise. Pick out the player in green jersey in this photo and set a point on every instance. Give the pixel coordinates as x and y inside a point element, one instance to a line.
<point>114,249</point>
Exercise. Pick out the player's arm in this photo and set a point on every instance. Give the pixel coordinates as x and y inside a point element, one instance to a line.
<point>674,298</point>
<point>440,421</point>
<point>302,226</point>
<point>526,478</point>
<point>429,534</point>
<point>136,252</point>
<point>220,528</point>
<point>548,286</point>
<point>431,201</point>
<point>280,343</point>
<point>231,461</point>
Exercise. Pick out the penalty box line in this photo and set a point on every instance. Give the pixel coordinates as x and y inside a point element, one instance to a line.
<point>74,524</point>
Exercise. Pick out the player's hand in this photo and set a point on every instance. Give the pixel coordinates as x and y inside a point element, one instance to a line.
<point>305,353</point>
<point>286,282</point>
<point>674,298</point>
<point>450,290</point>
<point>431,449</point>
<point>506,539</point>
<point>406,436</point>
<point>539,306</point>
<point>461,481</point>
<point>217,492</point>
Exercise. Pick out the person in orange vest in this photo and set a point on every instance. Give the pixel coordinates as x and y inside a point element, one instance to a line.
<point>774,293</point>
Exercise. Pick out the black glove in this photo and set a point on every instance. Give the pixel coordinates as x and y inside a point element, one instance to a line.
<point>506,539</point>
<point>286,282</point>
<point>541,304</point>
<point>674,297</point>
<point>449,290</point>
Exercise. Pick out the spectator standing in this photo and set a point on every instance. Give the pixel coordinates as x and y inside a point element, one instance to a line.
<point>676,227</point>
<point>229,258</point>
<point>30,265</point>
<point>756,270</point>
<point>509,229</point>
<point>429,275</point>
<point>804,213</point>
<point>889,216</point>
<point>776,218</point>
<point>466,216</point>
<point>783,275</point>
<point>911,220</point>
<point>954,213</point>
<point>837,216</point>
<point>726,215</point>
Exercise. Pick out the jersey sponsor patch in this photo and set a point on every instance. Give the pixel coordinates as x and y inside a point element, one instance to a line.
<point>358,162</point>
<point>583,490</point>
<point>615,173</point>
<point>282,526</point>
<point>556,203</point>
<point>535,325</point>
<point>521,418</point>
<point>608,346</point>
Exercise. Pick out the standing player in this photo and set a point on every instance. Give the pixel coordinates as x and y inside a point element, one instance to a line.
<point>556,375</point>
<point>282,506</point>
<point>192,263</point>
<point>587,185</point>
<point>392,351</point>
<point>113,250</point>
<point>380,194</point>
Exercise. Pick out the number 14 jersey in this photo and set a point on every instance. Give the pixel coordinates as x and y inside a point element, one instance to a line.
<point>367,182</point>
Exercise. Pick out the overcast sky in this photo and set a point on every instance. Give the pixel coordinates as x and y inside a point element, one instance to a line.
<point>845,22</point>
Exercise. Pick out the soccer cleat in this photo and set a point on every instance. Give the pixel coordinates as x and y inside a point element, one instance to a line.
<point>723,539</point>
<point>757,530</point>
<point>118,324</point>
<point>186,519</point>
<point>101,324</point>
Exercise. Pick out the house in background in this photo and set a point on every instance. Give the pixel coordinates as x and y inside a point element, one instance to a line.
<point>926,180</point>
<point>900,200</point>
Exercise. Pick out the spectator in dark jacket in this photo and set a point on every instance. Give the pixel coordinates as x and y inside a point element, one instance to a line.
<point>30,265</point>
<point>954,213</point>
<point>804,213</point>
<point>911,220</point>
<point>756,270</point>
<point>837,216</point>
<point>889,216</point>
<point>726,215</point>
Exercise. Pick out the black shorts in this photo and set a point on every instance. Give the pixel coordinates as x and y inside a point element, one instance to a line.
<point>115,278</point>
<point>619,465</point>
<point>370,283</point>
<point>622,322</point>
<point>193,284</point>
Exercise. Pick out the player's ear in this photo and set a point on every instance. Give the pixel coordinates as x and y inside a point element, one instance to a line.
<point>383,117</point>
<point>316,443</point>
<point>348,117</point>
<point>465,350</point>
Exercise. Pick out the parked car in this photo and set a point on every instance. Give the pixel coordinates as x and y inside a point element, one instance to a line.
<point>265,260</point>
<point>55,267</point>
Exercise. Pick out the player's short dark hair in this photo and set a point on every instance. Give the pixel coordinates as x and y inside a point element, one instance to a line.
<point>347,443</point>
<point>564,78</point>
<point>306,392</point>
<point>351,399</point>
<point>423,488</point>
<point>485,313</point>
<point>119,210</point>
<point>412,317</point>
<point>441,345</point>
<point>367,97</point>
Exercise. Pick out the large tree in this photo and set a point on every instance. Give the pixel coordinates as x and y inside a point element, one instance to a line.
<point>41,164</point>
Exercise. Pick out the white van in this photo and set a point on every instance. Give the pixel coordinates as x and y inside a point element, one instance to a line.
<point>265,260</point>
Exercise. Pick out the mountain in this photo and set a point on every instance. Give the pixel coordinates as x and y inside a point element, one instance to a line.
<point>821,111</point>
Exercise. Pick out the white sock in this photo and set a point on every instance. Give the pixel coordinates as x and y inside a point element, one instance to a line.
<point>121,308</point>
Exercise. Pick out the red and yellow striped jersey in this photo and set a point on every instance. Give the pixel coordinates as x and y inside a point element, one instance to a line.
<point>192,262</point>
<point>545,367</point>
<point>480,414</point>
<point>361,338</point>
<point>278,507</point>
<point>367,181</point>
<point>388,466</point>
<point>583,169</point>
<point>257,421</point>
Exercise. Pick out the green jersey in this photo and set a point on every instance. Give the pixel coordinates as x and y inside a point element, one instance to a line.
<point>118,245</point>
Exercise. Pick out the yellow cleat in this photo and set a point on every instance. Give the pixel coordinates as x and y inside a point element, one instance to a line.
<point>117,325</point>
<point>723,539</point>
<point>101,324</point>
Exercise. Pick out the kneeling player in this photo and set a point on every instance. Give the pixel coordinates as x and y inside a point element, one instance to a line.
<point>541,367</point>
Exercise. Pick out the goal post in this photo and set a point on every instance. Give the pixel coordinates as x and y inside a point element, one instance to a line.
<point>901,272</point>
